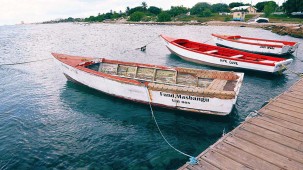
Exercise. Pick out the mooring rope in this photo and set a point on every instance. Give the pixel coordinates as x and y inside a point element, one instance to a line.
<point>296,56</point>
<point>192,160</point>
<point>208,40</point>
<point>298,74</point>
<point>143,48</point>
<point>9,64</point>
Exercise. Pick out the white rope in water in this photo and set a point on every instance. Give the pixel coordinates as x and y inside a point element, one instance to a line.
<point>208,40</point>
<point>9,64</point>
<point>152,112</point>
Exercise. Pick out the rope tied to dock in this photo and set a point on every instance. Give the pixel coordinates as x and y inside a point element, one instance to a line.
<point>252,115</point>
<point>192,160</point>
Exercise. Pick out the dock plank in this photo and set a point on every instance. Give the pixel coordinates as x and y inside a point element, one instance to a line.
<point>287,107</point>
<point>291,98</point>
<point>292,119</point>
<point>263,153</point>
<point>297,88</point>
<point>270,145</point>
<point>221,161</point>
<point>295,144</point>
<point>278,129</point>
<point>284,111</point>
<point>283,123</point>
<point>297,94</point>
<point>203,165</point>
<point>291,103</point>
<point>243,157</point>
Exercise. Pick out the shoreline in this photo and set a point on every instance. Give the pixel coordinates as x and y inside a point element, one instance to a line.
<point>291,29</point>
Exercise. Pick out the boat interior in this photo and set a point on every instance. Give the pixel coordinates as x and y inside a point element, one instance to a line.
<point>225,52</point>
<point>184,77</point>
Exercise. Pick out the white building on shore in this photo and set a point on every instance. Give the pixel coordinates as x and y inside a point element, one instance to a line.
<point>248,9</point>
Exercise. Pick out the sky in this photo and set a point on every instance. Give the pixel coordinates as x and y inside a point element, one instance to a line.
<point>29,11</point>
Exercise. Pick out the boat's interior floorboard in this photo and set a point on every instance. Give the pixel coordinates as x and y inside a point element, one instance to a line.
<point>186,78</point>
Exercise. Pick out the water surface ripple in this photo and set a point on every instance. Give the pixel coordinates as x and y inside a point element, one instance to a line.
<point>48,122</point>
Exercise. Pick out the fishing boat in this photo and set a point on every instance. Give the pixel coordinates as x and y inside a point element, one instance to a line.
<point>224,57</point>
<point>194,90</point>
<point>256,45</point>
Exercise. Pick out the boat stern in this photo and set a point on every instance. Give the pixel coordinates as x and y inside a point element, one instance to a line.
<point>282,65</point>
<point>293,48</point>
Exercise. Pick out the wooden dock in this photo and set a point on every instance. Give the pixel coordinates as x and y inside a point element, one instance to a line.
<point>273,139</point>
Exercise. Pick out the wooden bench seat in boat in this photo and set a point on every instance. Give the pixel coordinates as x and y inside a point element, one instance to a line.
<point>266,61</point>
<point>236,56</point>
<point>211,51</point>
<point>217,84</point>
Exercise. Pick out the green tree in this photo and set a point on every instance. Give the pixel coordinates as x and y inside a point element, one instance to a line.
<point>177,10</point>
<point>115,15</point>
<point>293,6</point>
<point>70,19</point>
<point>163,17</point>
<point>127,10</point>
<point>144,5</point>
<point>136,9</point>
<point>235,4</point>
<point>90,19</point>
<point>260,5</point>
<point>154,10</point>
<point>269,8</point>
<point>199,8</point>
<point>219,7</point>
<point>136,16</point>
<point>100,17</point>
<point>206,13</point>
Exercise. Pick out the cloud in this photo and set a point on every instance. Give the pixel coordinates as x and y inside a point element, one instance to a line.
<point>15,11</point>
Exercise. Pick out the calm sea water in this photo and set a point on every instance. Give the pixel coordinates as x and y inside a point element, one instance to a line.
<point>47,122</point>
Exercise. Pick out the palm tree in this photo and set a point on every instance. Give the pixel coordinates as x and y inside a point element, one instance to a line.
<point>144,5</point>
<point>127,10</point>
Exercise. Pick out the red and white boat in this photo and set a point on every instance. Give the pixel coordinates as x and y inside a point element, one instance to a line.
<point>202,91</point>
<point>256,45</point>
<point>224,57</point>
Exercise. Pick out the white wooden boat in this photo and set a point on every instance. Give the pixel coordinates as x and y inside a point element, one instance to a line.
<point>256,45</point>
<point>202,91</point>
<point>224,57</point>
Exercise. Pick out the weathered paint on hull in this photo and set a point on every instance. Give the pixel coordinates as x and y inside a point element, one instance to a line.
<point>138,93</point>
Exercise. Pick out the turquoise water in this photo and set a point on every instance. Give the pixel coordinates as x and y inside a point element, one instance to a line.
<point>48,122</point>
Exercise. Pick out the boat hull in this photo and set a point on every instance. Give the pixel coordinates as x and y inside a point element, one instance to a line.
<point>205,59</point>
<point>260,49</point>
<point>139,93</point>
